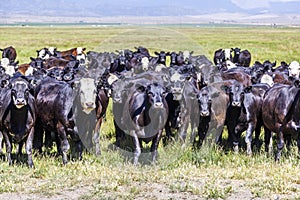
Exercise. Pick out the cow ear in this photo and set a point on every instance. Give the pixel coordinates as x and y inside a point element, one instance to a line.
<point>248,89</point>
<point>5,83</point>
<point>156,53</point>
<point>32,59</point>
<point>140,87</point>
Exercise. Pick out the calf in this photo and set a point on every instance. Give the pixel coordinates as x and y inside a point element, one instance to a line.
<point>250,118</point>
<point>18,115</point>
<point>147,112</point>
<point>54,101</point>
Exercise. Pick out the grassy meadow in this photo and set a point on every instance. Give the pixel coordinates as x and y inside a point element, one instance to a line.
<point>181,172</point>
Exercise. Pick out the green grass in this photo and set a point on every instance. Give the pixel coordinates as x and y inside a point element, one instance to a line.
<point>181,172</point>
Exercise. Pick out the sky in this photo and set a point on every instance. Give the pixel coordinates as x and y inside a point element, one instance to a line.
<point>252,4</point>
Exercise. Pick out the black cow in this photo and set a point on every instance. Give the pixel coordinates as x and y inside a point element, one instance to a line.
<point>242,58</point>
<point>280,112</point>
<point>54,101</point>
<point>145,116</point>
<point>18,115</point>
<point>235,92</point>
<point>205,102</point>
<point>250,118</point>
<point>10,53</point>
<point>160,59</point>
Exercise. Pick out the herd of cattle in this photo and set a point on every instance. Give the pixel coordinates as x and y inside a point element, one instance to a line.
<point>64,95</point>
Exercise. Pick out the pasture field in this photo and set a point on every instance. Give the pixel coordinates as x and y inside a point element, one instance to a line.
<point>181,172</point>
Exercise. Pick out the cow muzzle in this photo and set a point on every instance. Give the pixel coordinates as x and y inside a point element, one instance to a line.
<point>158,105</point>
<point>204,113</point>
<point>236,104</point>
<point>19,102</point>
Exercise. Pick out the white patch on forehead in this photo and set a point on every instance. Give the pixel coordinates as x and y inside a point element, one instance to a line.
<point>186,54</point>
<point>81,56</point>
<point>79,50</point>
<point>175,77</point>
<point>267,79</point>
<point>112,78</point>
<point>145,63</point>
<point>51,50</point>
<point>294,69</point>
<point>159,67</point>
<point>227,54</point>
<point>29,71</point>
<point>4,62</point>
<point>42,53</point>
<point>230,64</point>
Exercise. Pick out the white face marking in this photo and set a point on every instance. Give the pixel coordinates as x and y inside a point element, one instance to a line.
<point>294,69</point>
<point>159,68</point>
<point>4,62</point>
<point>230,64</point>
<point>227,54</point>
<point>176,77</point>
<point>42,53</point>
<point>112,78</point>
<point>145,63</point>
<point>51,50</point>
<point>267,79</point>
<point>87,94</point>
<point>29,71</point>
<point>79,50</point>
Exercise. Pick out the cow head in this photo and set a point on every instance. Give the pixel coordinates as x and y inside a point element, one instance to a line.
<point>294,69</point>
<point>204,102</point>
<point>37,63</point>
<point>177,82</point>
<point>156,95</point>
<point>227,54</point>
<point>162,57</point>
<point>235,92</point>
<point>19,92</point>
<point>87,94</point>
<point>80,55</point>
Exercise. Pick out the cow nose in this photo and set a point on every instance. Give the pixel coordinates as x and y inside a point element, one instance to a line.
<point>158,105</point>
<point>204,113</point>
<point>117,100</point>
<point>236,103</point>
<point>89,104</point>
<point>20,101</point>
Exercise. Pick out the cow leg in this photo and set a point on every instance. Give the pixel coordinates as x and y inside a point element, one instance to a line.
<point>19,149</point>
<point>298,144</point>
<point>184,126</point>
<point>8,148</point>
<point>288,142</point>
<point>257,134</point>
<point>48,139</point>
<point>280,144</point>
<point>29,144</point>
<point>38,137</point>
<point>154,146</point>
<point>248,138</point>
<point>63,141</point>
<point>168,132</point>
<point>137,150</point>
<point>268,141</point>
<point>1,140</point>
<point>96,136</point>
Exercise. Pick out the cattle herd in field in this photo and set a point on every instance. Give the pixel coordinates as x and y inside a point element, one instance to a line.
<point>63,96</point>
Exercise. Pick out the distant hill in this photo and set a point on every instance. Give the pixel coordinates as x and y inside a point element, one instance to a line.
<point>37,10</point>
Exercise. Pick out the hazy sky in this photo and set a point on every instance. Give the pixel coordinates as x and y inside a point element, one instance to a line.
<point>252,4</point>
